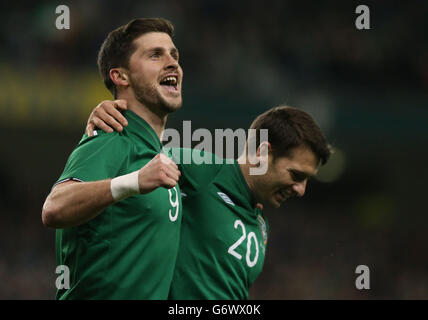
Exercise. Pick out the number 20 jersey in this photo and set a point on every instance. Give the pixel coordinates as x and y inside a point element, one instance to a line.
<point>223,234</point>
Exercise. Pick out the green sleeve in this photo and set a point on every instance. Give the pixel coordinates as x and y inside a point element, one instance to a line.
<point>198,168</point>
<point>97,158</point>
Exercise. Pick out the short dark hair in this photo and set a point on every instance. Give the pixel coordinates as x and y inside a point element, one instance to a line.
<point>119,45</point>
<point>288,128</point>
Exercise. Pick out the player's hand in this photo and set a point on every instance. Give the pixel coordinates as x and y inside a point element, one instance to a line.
<point>260,206</point>
<point>161,171</point>
<point>106,117</point>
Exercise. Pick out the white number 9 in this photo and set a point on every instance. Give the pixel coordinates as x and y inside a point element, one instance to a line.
<point>175,204</point>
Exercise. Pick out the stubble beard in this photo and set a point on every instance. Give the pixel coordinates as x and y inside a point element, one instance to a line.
<point>150,97</point>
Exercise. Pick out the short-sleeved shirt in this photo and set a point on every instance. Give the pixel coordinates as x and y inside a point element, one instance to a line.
<point>223,233</point>
<point>129,250</point>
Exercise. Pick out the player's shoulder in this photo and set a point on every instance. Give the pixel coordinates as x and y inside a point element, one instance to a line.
<point>196,156</point>
<point>101,137</point>
<point>199,168</point>
<point>112,143</point>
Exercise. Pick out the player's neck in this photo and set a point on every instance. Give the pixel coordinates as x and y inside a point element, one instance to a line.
<point>245,169</point>
<point>156,120</point>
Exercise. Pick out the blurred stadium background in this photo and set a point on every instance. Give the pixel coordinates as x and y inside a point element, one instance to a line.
<point>367,89</point>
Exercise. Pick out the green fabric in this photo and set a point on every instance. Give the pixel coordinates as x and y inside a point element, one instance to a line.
<point>223,236</point>
<point>129,250</point>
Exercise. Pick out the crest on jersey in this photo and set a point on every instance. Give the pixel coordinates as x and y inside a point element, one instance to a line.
<point>226,198</point>
<point>262,225</point>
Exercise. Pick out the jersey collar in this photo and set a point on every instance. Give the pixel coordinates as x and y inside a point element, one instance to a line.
<point>142,129</point>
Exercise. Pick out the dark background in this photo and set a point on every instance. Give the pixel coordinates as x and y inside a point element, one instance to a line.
<point>368,90</point>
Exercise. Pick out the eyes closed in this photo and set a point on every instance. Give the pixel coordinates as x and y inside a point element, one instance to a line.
<point>299,176</point>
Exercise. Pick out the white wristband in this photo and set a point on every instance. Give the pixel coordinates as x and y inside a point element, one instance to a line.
<point>125,186</point>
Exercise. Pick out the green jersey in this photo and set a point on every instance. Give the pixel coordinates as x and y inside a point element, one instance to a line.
<point>223,234</point>
<point>129,250</point>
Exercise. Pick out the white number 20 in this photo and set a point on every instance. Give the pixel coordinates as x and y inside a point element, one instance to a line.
<point>251,235</point>
<point>174,204</point>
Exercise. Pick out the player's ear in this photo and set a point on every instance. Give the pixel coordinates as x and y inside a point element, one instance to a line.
<point>263,153</point>
<point>263,150</point>
<point>119,76</point>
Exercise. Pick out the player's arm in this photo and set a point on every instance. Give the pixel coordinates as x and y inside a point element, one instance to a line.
<point>73,203</point>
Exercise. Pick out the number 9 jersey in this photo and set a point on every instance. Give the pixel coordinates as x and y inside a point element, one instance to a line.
<point>128,251</point>
<point>223,234</point>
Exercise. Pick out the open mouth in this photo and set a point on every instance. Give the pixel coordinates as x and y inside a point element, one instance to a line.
<point>170,82</point>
